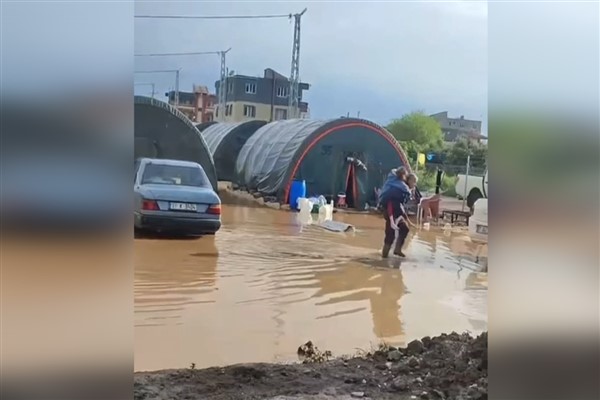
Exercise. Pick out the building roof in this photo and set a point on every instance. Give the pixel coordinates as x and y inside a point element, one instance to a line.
<point>444,115</point>
<point>184,97</point>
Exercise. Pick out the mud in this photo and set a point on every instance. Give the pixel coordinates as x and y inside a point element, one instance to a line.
<point>277,284</point>
<point>444,367</point>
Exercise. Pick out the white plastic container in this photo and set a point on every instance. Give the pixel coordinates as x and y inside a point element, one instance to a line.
<point>326,212</point>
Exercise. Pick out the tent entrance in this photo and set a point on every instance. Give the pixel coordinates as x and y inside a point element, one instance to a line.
<point>351,187</point>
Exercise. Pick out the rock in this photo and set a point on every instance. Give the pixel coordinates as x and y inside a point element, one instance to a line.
<point>364,381</point>
<point>438,394</point>
<point>415,347</point>
<point>275,206</point>
<point>402,369</point>
<point>460,366</point>
<point>427,341</point>
<point>432,381</point>
<point>357,395</point>
<point>424,395</point>
<point>381,367</point>
<point>413,362</point>
<point>351,380</point>
<point>401,383</point>
<point>394,355</point>
<point>476,393</point>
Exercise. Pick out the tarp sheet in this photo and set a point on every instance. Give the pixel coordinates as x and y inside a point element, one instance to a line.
<point>161,131</point>
<point>225,141</point>
<point>203,125</point>
<point>267,155</point>
<point>319,152</point>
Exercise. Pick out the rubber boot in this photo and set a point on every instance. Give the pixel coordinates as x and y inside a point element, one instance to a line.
<point>386,250</point>
<point>398,250</point>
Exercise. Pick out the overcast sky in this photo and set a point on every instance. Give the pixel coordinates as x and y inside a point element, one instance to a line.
<point>382,59</point>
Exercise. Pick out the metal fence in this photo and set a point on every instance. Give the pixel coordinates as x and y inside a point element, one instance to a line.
<point>450,170</point>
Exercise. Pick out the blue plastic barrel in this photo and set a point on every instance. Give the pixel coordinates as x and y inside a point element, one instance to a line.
<point>297,191</point>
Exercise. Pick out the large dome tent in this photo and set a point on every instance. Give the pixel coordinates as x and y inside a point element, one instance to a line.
<point>344,155</point>
<point>203,125</point>
<point>162,131</point>
<point>225,141</point>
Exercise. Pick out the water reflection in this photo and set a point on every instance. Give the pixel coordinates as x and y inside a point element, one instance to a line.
<point>171,275</point>
<point>264,284</point>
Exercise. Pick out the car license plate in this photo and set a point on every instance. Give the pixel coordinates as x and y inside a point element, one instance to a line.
<point>482,229</point>
<point>183,207</point>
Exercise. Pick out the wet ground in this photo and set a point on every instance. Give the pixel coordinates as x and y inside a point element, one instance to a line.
<point>264,285</point>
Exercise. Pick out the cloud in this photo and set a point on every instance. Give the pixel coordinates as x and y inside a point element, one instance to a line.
<point>381,58</point>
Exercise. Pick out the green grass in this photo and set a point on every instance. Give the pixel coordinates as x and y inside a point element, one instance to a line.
<point>427,183</point>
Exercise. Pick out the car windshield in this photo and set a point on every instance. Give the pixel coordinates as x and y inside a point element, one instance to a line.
<point>163,174</point>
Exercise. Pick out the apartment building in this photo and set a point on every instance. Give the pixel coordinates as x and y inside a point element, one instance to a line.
<point>455,128</point>
<point>263,98</point>
<point>198,106</point>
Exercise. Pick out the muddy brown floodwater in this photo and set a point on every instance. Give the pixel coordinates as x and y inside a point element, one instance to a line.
<point>264,285</point>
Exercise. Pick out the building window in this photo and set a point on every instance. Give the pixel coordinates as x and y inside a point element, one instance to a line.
<point>251,88</point>
<point>283,91</point>
<point>280,113</point>
<point>249,111</point>
<point>230,88</point>
<point>228,109</point>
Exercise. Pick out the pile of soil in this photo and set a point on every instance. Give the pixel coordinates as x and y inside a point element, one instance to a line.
<point>450,366</point>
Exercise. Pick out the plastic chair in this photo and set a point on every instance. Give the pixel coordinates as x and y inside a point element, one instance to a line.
<point>430,207</point>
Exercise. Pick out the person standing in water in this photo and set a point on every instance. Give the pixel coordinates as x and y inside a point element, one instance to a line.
<point>394,195</point>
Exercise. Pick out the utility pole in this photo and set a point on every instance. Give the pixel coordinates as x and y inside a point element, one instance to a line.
<point>195,53</point>
<point>176,71</point>
<point>177,88</point>
<point>147,84</point>
<point>466,182</point>
<point>295,73</point>
<point>223,85</point>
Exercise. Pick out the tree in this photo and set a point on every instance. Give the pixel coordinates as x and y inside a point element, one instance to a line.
<point>457,153</point>
<point>417,133</point>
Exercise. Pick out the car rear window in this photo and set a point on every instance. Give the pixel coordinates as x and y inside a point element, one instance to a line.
<point>178,175</point>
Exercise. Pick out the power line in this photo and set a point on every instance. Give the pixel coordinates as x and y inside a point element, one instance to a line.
<point>213,16</point>
<point>156,70</point>
<point>198,53</point>
<point>222,78</point>
<point>166,70</point>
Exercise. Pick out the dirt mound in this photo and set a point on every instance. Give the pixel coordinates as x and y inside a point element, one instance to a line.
<point>452,366</point>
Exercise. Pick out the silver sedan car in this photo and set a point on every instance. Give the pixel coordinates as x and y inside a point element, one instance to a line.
<point>175,197</point>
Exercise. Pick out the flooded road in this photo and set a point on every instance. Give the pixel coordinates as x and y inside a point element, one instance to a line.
<point>264,285</point>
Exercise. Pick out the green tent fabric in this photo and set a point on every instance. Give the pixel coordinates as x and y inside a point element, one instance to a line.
<point>340,156</point>
<point>162,131</point>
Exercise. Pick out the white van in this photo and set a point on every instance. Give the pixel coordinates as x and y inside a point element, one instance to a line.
<point>478,222</point>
